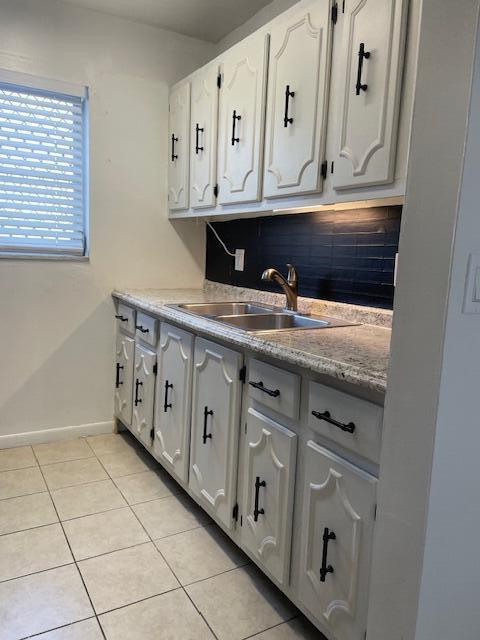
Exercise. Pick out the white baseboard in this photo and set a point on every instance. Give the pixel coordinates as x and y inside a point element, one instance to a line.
<point>52,435</point>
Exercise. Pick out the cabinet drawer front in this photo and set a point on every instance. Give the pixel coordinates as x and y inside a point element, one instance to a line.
<point>277,389</point>
<point>125,318</point>
<point>146,329</point>
<point>351,422</point>
<point>268,481</point>
<point>337,533</point>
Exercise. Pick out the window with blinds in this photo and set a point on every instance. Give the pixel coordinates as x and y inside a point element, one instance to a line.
<point>42,171</point>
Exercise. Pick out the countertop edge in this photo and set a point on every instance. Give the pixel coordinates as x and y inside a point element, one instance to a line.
<point>310,362</point>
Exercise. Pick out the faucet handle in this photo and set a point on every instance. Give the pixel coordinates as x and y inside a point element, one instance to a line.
<point>292,277</point>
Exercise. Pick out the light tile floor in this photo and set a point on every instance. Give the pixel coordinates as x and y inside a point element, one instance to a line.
<point>98,542</point>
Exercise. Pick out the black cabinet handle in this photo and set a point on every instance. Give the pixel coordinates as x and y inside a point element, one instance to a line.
<point>234,126</point>
<point>197,131</point>
<point>142,329</point>
<point>166,404</point>
<point>288,94</point>
<point>260,386</point>
<point>121,318</point>
<point>326,568</point>
<point>206,435</point>
<point>362,55</point>
<point>138,384</point>
<point>117,377</point>
<point>174,139</point>
<point>256,511</point>
<point>349,427</point>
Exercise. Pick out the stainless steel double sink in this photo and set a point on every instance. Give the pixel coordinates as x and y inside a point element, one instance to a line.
<point>258,318</point>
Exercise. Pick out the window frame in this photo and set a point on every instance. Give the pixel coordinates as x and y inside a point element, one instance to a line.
<point>66,89</point>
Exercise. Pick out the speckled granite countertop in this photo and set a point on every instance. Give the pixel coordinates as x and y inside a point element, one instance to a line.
<point>356,354</point>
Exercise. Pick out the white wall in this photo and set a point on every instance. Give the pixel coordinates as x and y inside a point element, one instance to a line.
<point>263,16</point>
<point>56,327</point>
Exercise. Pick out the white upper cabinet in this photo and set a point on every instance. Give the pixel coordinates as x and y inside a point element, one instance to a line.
<point>300,51</point>
<point>178,146</point>
<point>268,482</point>
<point>215,424</point>
<point>173,400</point>
<point>203,136</point>
<point>241,120</point>
<point>337,537</point>
<point>370,56</point>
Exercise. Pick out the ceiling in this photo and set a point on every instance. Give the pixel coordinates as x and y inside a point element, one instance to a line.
<point>208,20</point>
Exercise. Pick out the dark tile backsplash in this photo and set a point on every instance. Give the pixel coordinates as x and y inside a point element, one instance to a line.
<point>346,256</point>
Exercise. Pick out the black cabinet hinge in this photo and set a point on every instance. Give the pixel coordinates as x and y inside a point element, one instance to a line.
<point>152,433</point>
<point>243,374</point>
<point>235,512</point>
<point>155,369</point>
<point>219,80</point>
<point>324,169</point>
<point>335,13</point>
<point>215,191</point>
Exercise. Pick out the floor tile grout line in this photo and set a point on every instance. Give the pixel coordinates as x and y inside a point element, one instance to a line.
<point>63,626</point>
<point>72,554</point>
<point>215,575</point>
<point>34,573</point>
<point>37,526</point>
<point>23,496</point>
<point>51,464</point>
<point>255,635</point>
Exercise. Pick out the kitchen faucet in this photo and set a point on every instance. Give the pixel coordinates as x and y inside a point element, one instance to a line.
<point>289,285</point>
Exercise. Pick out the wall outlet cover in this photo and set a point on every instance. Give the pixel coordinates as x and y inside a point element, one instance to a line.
<point>239,259</point>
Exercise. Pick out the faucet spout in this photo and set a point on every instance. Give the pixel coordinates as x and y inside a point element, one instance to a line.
<point>288,284</point>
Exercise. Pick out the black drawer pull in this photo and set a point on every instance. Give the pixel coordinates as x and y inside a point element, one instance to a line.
<point>197,131</point>
<point>206,435</point>
<point>234,126</point>
<point>349,428</point>
<point>288,94</point>
<point>326,568</point>
<point>121,318</point>
<point>167,405</point>
<point>174,156</point>
<point>362,55</point>
<point>260,386</point>
<point>256,511</point>
<point>142,329</point>
<point>138,384</point>
<point>117,377</point>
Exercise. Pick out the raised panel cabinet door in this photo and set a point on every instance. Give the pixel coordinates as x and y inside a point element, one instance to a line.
<point>241,120</point>
<point>215,425</point>
<point>178,146</point>
<point>203,136</point>
<point>268,484</point>
<point>372,52</point>
<point>338,519</point>
<point>124,362</point>
<point>173,400</point>
<point>143,394</point>
<point>299,67</point>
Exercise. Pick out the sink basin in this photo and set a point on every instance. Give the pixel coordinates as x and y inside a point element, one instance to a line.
<point>215,309</point>
<point>273,322</point>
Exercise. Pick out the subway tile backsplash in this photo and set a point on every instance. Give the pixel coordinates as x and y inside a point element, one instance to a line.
<point>345,256</point>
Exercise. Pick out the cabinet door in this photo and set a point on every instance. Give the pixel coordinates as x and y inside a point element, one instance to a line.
<point>268,483</point>
<point>339,507</point>
<point>203,132</point>
<point>300,51</point>
<point>125,353</point>
<point>178,146</point>
<point>241,120</point>
<point>173,400</point>
<point>370,67</point>
<point>215,424</point>
<point>143,394</point>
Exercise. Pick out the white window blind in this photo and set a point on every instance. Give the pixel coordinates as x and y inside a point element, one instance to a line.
<point>42,171</point>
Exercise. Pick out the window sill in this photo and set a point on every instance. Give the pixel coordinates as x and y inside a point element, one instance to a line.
<point>11,255</point>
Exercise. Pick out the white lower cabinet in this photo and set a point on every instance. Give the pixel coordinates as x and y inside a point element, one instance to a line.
<point>214,430</point>
<point>124,359</point>
<point>338,519</point>
<point>173,400</point>
<point>268,477</point>
<point>143,394</point>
